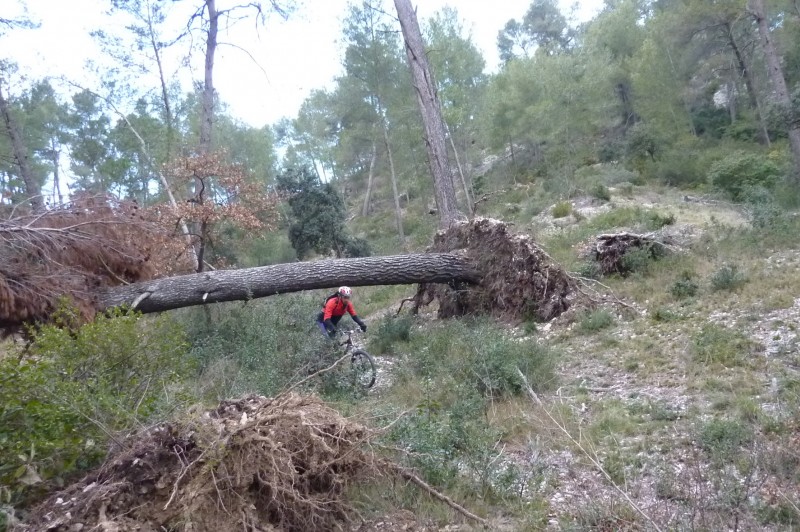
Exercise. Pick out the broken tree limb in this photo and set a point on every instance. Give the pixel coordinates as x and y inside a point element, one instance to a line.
<point>252,283</point>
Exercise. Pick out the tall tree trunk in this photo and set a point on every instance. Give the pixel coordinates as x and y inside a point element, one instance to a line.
<point>778,80</point>
<point>58,198</point>
<point>251,283</point>
<point>748,82</point>
<point>206,120</point>
<point>430,109</point>
<point>162,79</point>
<point>32,188</point>
<point>470,205</point>
<point>370,177</point>
<point>397,211</point>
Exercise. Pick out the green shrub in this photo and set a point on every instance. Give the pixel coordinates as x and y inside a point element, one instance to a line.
<point>562,209</point>
<point>684,287</point>
<point>61,401</point>
<point>595,320</point>
<point>480,355</point>
<point>261,346</point>
<point>664,314</point>
<point>722,438</point>
<point>590,269</point>
<point>727,277</point>
<point>680,168</point>
<point>601,192</point>
<point>635,218</point>
<point>392,330</point>
<point>739,171</point>
<point>719,345</point>
<point>638,260</point>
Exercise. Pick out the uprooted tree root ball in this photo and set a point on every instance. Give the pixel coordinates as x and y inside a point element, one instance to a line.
<point>252,464</point>
<point>520,281</point>
<point>609,251</point>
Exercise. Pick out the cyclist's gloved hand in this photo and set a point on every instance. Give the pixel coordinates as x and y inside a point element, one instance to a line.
<point>360,323</point>
<point>330,327</point>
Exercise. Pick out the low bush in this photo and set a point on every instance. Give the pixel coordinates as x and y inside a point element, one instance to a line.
<point>601,192</point>
<point>478,354</point>
<point>722,438</point>
<point>64,399</point>
<point>684,287</point>
<point>728,277</point>
<point>596,320</point>
<point>739,171</point>
<point>257,347</point>
<point>562,209</point>
<point>719,345</point>
<point>391,331</point>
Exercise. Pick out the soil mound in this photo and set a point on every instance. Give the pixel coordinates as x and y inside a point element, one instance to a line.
<point>261,464</point>
<point>520,280</point>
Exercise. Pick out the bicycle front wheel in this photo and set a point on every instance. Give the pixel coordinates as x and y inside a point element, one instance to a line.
<point>363,368</point>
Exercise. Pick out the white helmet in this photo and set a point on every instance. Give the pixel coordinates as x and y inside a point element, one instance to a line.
<point>345,291</point>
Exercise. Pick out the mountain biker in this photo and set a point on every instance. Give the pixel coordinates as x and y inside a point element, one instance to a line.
<point>333,310</point>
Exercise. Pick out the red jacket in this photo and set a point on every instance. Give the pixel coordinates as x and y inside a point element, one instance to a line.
<point>337,306</point>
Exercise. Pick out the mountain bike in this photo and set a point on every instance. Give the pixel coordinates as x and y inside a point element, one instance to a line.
<point>362,366</point>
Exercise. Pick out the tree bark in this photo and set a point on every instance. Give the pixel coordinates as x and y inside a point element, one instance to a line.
<point>778,80</point>
<point>470,204</point>
<point>430,108</point>
<point>207,119</point>
<point>32,188</point>
<point>748,81</point>
<point>163,80</point>
<point>251,283</point>
<point>398,212</point>
<point>370,177</point>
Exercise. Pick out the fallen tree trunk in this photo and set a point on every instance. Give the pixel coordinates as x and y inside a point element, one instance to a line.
<point>251,283</point>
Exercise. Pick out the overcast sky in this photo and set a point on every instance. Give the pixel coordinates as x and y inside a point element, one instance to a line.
<point>289,59</point>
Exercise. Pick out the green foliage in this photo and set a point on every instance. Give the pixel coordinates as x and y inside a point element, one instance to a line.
<point>642,143</point>
<point>61,401</point>
<point>590,269</point>
<point>257,347</point>
<point>562,209</point>
<point>638,260</point>
<point>483,356</point>
<point>392,330</point>
<point>663,314</point>
<point>596,320</point>
<point>740,170</point>
<point>458,369</point>
<point>684,287</point>
<point>635,218</point>
<point>722,438</point>
<point>719,345</point>
<point>680,167</point>
<point>601,192</point>
<point>268,248</point>
<point>727,277</point>
<point>318,217</point>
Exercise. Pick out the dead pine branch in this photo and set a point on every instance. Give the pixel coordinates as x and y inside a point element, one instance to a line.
<point>411,477</point>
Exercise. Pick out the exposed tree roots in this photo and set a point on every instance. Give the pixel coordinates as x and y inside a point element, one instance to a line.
<point>520,281</point>
<point>279,464</point>
<point>609,250</point>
